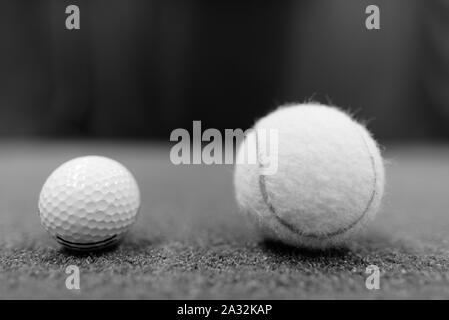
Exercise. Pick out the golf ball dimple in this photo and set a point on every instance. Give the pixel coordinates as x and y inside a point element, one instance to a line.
<point>89,202</point>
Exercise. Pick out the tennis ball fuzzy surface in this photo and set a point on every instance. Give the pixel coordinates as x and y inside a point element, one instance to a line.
<point>329,180</point>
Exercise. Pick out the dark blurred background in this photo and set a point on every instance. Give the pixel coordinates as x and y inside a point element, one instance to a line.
<point>141,68</point>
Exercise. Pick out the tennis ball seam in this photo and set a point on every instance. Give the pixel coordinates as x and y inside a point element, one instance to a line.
<point>296,230</point>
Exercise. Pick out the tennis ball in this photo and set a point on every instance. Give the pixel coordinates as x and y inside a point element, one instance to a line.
<point>329,179</point>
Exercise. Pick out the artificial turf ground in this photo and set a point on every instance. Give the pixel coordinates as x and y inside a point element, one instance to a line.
<point>190,242</point>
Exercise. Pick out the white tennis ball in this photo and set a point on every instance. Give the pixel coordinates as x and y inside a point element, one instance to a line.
<point>329,179</point>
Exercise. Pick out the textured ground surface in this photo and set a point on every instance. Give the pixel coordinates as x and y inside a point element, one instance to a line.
<point>190,241</point>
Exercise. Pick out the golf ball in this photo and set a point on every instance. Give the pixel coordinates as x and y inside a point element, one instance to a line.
<point>89,203</point>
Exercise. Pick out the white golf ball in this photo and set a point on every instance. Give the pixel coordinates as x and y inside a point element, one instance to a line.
<point>89,203</point>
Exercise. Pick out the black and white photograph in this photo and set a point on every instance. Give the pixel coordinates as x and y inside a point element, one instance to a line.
<point>244,152</point>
